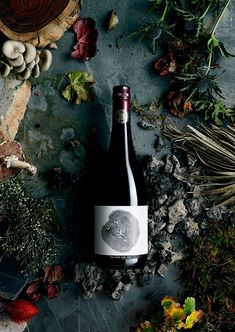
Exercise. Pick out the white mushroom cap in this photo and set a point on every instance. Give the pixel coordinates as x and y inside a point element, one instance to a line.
<point>20,68</point>
<point>45,60</point>
<point>4,69</point>
<point>25,74</point>
<point>17,61</point>
<point>37,58</point>
<point>11,49</point>
<point>36,71</point>
<point>31,64</point>
<point>30,52</point>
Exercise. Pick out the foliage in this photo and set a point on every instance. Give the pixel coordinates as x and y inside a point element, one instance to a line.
<point>176,317</point>
<point>79,89</point>
<point>208,273</point>
<point>149,115</point>
<point>180,28</point>
<point>27,227</point>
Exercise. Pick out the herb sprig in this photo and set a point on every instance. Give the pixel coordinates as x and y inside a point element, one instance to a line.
<point>192,52</point>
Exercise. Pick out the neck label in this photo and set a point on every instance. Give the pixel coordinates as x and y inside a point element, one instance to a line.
<point>121,116</point>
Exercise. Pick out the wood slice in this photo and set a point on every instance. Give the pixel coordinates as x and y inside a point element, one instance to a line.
<point>39,22</point>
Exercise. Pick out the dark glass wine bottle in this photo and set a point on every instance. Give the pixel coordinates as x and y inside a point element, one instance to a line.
<point>121,212</point>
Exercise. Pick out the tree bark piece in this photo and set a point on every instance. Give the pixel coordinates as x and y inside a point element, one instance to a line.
<point>39,22</point>
<point>14,96</point>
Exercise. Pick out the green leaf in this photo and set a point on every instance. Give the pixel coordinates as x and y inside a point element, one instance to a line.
<point>189,305</point>
<point>80,88</point>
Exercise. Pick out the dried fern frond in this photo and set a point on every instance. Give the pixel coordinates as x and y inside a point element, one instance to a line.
<point>215,149</point>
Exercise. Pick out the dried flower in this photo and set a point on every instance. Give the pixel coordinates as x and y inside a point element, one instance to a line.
<point>176,103</point>
<point>165,65</point>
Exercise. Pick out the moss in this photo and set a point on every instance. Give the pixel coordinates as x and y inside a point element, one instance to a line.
<point>208,273</point>
<point>27,227</point>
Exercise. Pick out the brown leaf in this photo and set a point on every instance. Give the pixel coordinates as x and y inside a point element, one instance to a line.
<point>53,273</point>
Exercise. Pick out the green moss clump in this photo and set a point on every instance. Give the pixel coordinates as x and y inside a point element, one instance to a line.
<point>27,227</point>
<point>208,273</point>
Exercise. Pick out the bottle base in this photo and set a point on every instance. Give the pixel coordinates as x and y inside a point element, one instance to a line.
<point>117,262</point>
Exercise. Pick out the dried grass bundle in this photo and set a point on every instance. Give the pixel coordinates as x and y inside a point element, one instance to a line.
<point>215,148</point>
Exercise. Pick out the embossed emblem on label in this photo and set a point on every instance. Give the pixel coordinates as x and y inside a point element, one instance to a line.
<point>121,116</point>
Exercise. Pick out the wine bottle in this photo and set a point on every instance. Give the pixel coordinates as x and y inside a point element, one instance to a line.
<point>121,211</point>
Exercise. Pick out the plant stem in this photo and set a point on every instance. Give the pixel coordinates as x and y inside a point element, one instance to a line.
<point>220,17</point>
<point>217,22</point>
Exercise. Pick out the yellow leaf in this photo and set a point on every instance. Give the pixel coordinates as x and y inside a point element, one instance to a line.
<point>193,318</point>
<point>167,301</point>
<point>175,313</point>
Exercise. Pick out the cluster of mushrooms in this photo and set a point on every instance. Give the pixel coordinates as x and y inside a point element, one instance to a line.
<point>23,59</point>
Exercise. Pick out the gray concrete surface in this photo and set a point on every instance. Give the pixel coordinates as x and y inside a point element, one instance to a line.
<point>51,121</point>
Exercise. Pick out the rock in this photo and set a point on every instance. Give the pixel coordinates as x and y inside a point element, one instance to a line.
<point>88,276</point>
<point>192,228</point>
<point>158,143</point>
<point>146,276</point>
<point>162,270</point>
<point>14,96</point>
<point>6,325</point>
<point>162,199</point>
<point>176,213</point>
<point>195,205</point>
<point>154,164</point>
<point>171,163</point>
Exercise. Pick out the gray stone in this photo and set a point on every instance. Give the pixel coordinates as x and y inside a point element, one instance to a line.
<point>162,270</point>
<point>176,213</point>
<point>192,228</point>
<point>88,276</point>
<point>171,163</point>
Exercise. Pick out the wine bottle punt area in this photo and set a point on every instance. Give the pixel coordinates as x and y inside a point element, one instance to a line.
<point>121,211</point>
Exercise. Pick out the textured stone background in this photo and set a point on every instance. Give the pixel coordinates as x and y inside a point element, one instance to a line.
<point>51,122</point>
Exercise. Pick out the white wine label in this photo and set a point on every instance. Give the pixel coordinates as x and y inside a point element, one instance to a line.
<point>121,230</point>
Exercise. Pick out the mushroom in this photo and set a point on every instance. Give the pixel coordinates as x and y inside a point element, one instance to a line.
<point>36,71</point>
<point>20,68</point>
<point>31,65</point>
<point>45,60</point>
<point>12,160</point>
<point>4,69</point>
<point>37,58</point>
<point>25,74</point>
<point>30,52</point>
<point>17,61</point>
<point>11,49</point>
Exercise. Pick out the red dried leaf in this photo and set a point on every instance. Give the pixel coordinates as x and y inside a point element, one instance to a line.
<point>87,35</point>
<point>175,103</point>
<point>21,310</point>
<point>32,290</point>
<point>52,291</point>
<point>53,273</point>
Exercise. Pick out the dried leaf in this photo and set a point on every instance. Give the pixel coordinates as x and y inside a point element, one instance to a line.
<point>87,36</point>
<point>53,273</point>
<point>112,20</point>
<point>79,90</point>
<point>193,318</point>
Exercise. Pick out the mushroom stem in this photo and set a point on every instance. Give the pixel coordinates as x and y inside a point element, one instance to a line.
<point>14,162</point>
